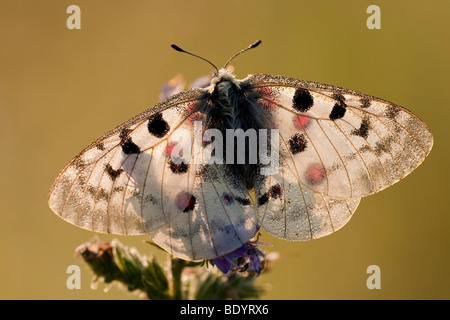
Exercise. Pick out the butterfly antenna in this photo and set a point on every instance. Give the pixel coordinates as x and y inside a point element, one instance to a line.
<point>174,46</point>
<point>253,45</point>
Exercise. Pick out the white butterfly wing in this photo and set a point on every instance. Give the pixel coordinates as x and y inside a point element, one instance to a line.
<point>290,210</point>
<point>336,146</point>
<point>343,143</point>
<point>127,183</point>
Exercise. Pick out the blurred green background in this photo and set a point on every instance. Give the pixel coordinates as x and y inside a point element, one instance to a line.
<point>60,89</point>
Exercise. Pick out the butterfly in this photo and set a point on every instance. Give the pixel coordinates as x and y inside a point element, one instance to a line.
<point>334,147</point>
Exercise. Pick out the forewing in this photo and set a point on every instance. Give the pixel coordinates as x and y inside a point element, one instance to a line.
<point>342,143</point>
<point>127,182</point>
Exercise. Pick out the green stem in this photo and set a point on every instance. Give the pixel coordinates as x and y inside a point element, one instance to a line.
<point>177,268</point>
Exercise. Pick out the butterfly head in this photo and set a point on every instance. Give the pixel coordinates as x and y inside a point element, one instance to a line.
<point>223,75</point>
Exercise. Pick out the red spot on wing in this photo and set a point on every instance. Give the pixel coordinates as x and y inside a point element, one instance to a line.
<point>302,122</point>
<point>193,115</point>
<point>268,100</point>
<point>315,173</point>
<point>196,116</point>
<point>185,201</point>
<point>174,150</point>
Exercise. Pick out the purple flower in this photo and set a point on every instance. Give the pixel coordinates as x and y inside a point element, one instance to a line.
<point>177,84</point>
<point>245,258</point>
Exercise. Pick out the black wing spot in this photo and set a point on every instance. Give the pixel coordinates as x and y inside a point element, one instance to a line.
<point>276,191</point>
<point>113,174</point>
<point>297,143</point>
<point>365,102</point>
<point>363,130</point>
<point>263,199</point>
<point>302,101</point>
<point>100,146</point>
<point>339,97</point>
<point>186,201</point>
<point>243,201</point>
<point>129,147</point>
<point>157,126</point>
<point>392,112</point>
<point>338,111</point>
<point>339,107</point>
<point>178,168</point>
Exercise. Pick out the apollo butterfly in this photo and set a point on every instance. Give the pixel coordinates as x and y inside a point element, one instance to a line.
<point>335,146</point>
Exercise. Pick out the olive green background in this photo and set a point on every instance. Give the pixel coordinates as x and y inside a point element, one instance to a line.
<point>60,89</point>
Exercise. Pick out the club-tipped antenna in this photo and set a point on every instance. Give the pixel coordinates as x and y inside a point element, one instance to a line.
<point>253,45</point>
<point>174,46</point>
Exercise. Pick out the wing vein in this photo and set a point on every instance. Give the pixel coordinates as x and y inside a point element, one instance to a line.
<point>301,189</point>
<point>143,191</point>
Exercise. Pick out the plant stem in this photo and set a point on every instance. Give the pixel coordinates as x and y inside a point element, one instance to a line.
<point>177,268</point>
